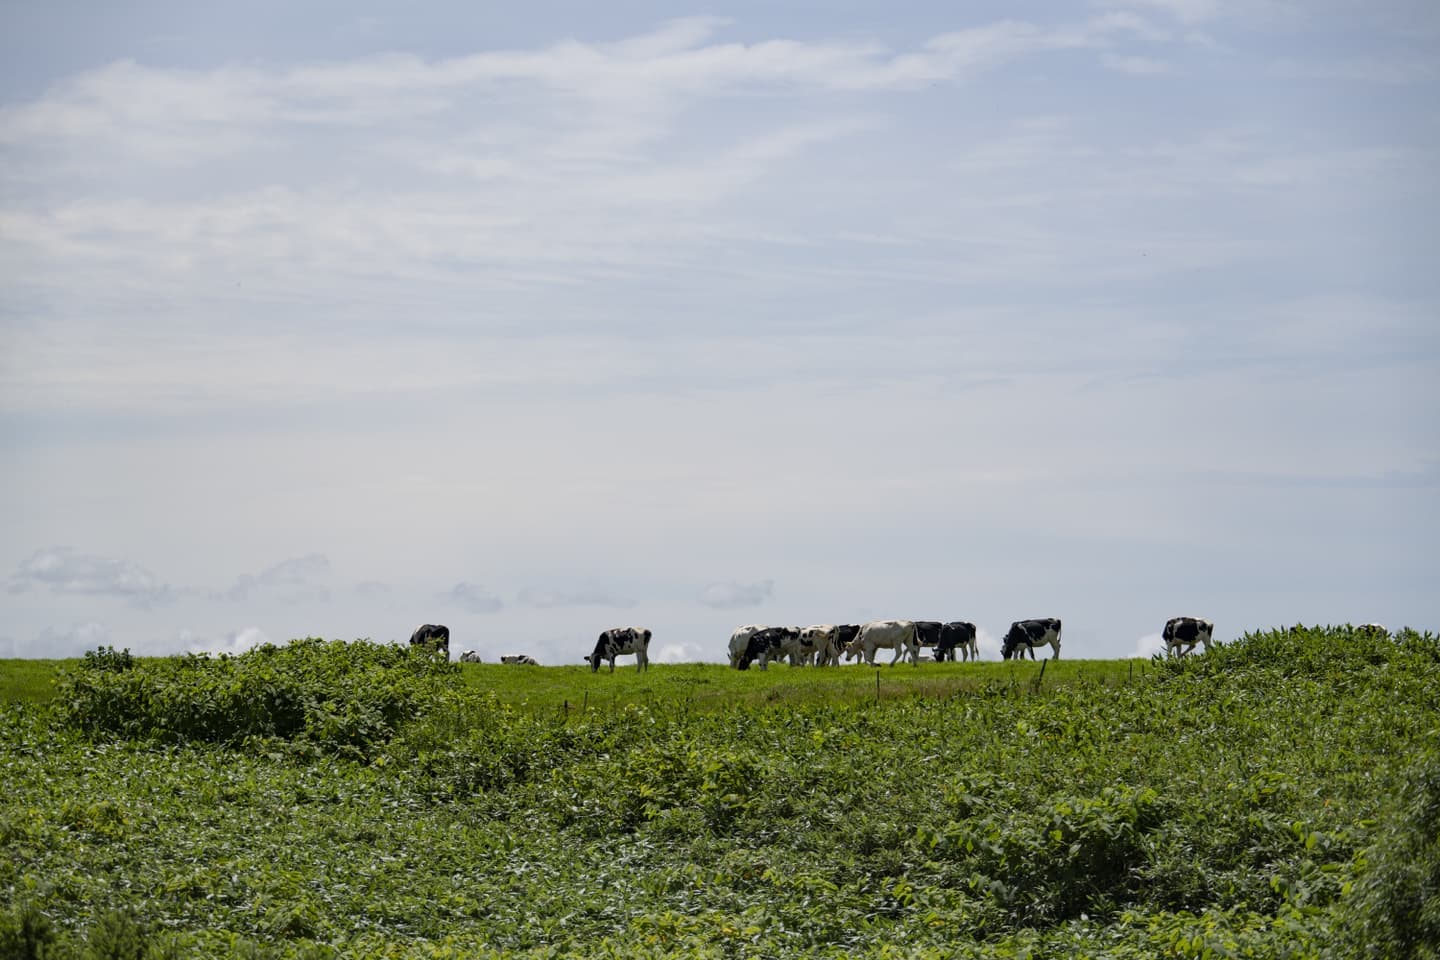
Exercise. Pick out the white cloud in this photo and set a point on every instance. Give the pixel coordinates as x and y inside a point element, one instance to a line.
<point>1137,66</point>
<point>679,653</point>
<point>1148,645</point>
<point>69,642</point>
<point>290,581</point>
<point>731,595</point>
<point>547,599</point>
<point>63,570</point>
<point>233,642</point>
<point>473,598</point>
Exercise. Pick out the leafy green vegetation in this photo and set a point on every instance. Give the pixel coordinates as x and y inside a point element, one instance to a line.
<point>1277,797</point>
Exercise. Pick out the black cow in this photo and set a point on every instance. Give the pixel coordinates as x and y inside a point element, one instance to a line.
<point>957,635</point>
<point>927,633</point>
<point>1029,634</point>
<point>619,641</point>
<point>1185,632</point>
<point>436,636</point>
<point>771,643</point>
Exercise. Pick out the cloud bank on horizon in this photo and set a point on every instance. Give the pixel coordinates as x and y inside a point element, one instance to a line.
<point>550,321</point>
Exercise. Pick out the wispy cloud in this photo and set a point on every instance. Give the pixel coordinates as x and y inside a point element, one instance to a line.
<point>64,570</point>
<point>290,581</point>
<point>473,598</point>
<point>548,599</point>
<point>731,595</point>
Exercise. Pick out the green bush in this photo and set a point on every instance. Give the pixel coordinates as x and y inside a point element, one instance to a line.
<point>1395,908</point>
<point>345,698</point>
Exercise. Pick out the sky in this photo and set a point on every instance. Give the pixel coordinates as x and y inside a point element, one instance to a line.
<point>333,319</point>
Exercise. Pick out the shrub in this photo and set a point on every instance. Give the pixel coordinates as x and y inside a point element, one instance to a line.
<point>345,698</point>
<point>1395,907</point>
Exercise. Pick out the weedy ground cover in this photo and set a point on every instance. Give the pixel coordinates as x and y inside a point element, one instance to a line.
<point>1274,798</point>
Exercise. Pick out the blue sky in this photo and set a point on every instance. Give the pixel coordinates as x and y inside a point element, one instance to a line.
<point>333,319</point>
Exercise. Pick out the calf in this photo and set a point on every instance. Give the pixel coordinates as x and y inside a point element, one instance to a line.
<point>739,640</point>
<point>435,636</point>
<point>469,656</point>
<point>523,659</point>
<point>1186,632</point>
<point>897,635</point>
<point>958,635</point>
<point>619,641</point>
<point>1029,634</point>
<point>771,643</point>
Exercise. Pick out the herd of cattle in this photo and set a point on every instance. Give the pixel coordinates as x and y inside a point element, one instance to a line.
<point>824,644</point>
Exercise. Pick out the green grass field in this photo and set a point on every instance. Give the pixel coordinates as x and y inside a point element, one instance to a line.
<point>1278,797</point>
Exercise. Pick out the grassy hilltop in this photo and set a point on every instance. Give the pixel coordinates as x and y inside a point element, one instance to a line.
<point>1277,797</point>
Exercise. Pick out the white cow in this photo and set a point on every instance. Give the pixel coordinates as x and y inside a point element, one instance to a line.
<point>897,635</point>
<point>469,656</point>
<point>740,639</point>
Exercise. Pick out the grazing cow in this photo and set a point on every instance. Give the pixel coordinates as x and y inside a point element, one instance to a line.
<point>927,633</point>
<point>469,656</point>
<point>816,642</point>
<point>1029,634</point>
<point>898,635</point>
<point>1186,632</point>
<point>771,643</point>
<point>619,641</point>
<point>958,635</point>
<point>739,640</point>
<point>436,636</point>
<point>523,659</point>
<point>845,635</point>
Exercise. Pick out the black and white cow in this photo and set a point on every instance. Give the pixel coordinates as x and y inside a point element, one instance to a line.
<point>927,633</point>
<point>1025,635</point>
<point>523,659</point>
<point>1185,632</point>
<point>816,641</point>
<point>957,635</point>
<point>845,634</point>
<point>771,643</point>
<point>469,656</point>
<point>436,636</point>
<point>897,635</point>
<point>619,641</point>
<point>740,639</point>
<point>1373,629</point>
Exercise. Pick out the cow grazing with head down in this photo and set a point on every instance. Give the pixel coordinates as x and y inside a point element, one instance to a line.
<point>469,656</point>
<point>618,642</point>
<point>957,635</point>
<point>740,639</point>
<point>523,659</point>
<point>436,636</point>
<point>897,635</point>
<point>1182,633</point>
<point>1025,635</point>
<point>771,643</point>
